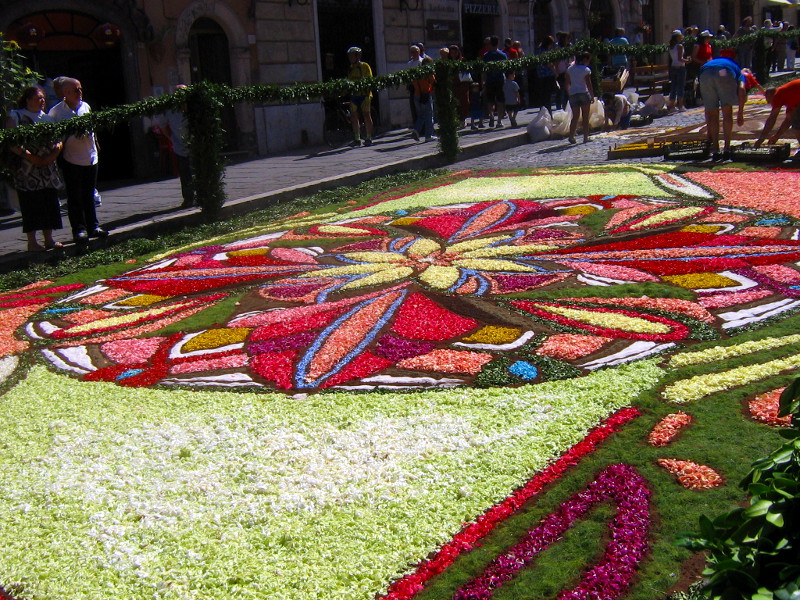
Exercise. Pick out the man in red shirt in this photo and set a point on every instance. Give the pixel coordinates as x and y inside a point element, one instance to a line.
<point>509,49</point>
<point>787,95</point>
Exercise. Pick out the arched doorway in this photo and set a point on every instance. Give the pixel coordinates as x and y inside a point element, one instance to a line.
<point>601,19</point>
<point>542,21</point>
<point>78,45</point>
<point>209,60</point>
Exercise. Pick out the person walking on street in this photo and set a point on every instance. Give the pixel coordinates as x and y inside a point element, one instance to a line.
<point>361,102</point>
<point>493,84</point>
<point>511,97</point>
<point>80,159</point>
<point>744,51</point>
<point>423,96</point>
<point>414,60</point>
<point>581,95</point>
<point>36,177</point>
<point>545,75</point>
<point>722,84</point>
<point>677,72</point>
<point>791,50</point>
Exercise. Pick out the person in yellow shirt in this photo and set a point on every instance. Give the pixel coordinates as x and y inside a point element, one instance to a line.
<point>361,102</point>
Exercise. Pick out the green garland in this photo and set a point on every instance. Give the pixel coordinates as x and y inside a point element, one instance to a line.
<point>205,101</point>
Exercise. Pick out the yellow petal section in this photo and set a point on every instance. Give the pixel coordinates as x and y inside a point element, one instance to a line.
<point>439,277</point>
<point>492,334</point>
<point>479,243</point>
<point>125,319</point>
<point>340,229</point>
<point>249,252</point>
<point>381,277</point>
<point>141,300</point>
<point>583,209</point>
<point>348,270</point>
<point>485,264</point>
<point>375,257</point>
<point>672,214</point>
<point>405,221</point>
<point>423,247</point>
<point>701,281</point>
<point>216,338</point>
<point>508,251</point>
<point>702,228</point>
<point>610,320</point>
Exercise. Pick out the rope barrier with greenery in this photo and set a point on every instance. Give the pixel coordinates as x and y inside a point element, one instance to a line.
<point>204,102</point>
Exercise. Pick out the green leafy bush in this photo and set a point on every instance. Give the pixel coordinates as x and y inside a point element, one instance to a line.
<point>754,552</point>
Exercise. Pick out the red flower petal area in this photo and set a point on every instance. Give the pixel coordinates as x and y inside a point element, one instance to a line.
<point>483,218</point>
<point>43,295</point>
<point>410,585</point>
<point>422,319</point>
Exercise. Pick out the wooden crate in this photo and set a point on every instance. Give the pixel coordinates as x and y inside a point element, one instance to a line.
<point>613,79</point>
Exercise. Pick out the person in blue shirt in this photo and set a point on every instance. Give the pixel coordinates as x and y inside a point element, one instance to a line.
<point>619,60</point>
<point>722,85</point>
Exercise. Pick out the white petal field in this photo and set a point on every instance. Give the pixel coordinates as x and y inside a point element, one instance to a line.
<point>110,492</point>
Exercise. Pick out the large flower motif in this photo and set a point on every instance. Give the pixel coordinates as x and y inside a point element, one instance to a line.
<point>389,294</point>
<point>493,264</point>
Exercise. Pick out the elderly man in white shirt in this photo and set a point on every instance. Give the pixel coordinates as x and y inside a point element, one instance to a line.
<point>79,166</point>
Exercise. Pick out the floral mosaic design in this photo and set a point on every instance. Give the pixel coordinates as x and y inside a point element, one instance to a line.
<point>481,279</point>
<point>461,282</point>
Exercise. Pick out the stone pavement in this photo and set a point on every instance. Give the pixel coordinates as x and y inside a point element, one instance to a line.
<point>147,208</point>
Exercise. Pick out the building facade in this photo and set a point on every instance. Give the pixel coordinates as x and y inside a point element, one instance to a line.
<point>125,50</point>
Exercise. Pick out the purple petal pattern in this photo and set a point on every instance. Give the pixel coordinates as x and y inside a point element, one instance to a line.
<point>612,575</point>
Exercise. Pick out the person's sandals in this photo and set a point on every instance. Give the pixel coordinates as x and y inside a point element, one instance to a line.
<point>36,248</point>
<point>54,245</point>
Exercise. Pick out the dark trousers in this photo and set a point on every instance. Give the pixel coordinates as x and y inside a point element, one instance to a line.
<point>80,182</point>
<point>545,88</point>
<point>185,174</point>
<point>412,104</point>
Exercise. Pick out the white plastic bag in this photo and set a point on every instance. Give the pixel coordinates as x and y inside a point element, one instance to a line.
<point>597,115</point>
<point>539,127</point>
<point>653,105</point>
<point>561,119</point>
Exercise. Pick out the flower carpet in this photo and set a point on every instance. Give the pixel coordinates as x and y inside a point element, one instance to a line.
<point>351,403</point>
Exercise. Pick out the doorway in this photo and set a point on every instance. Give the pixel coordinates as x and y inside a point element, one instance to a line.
<point>209,60</point>
<point>601,20</point>
<point>343,24</point>
<point>542,22</point>
<point>479,19</point>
